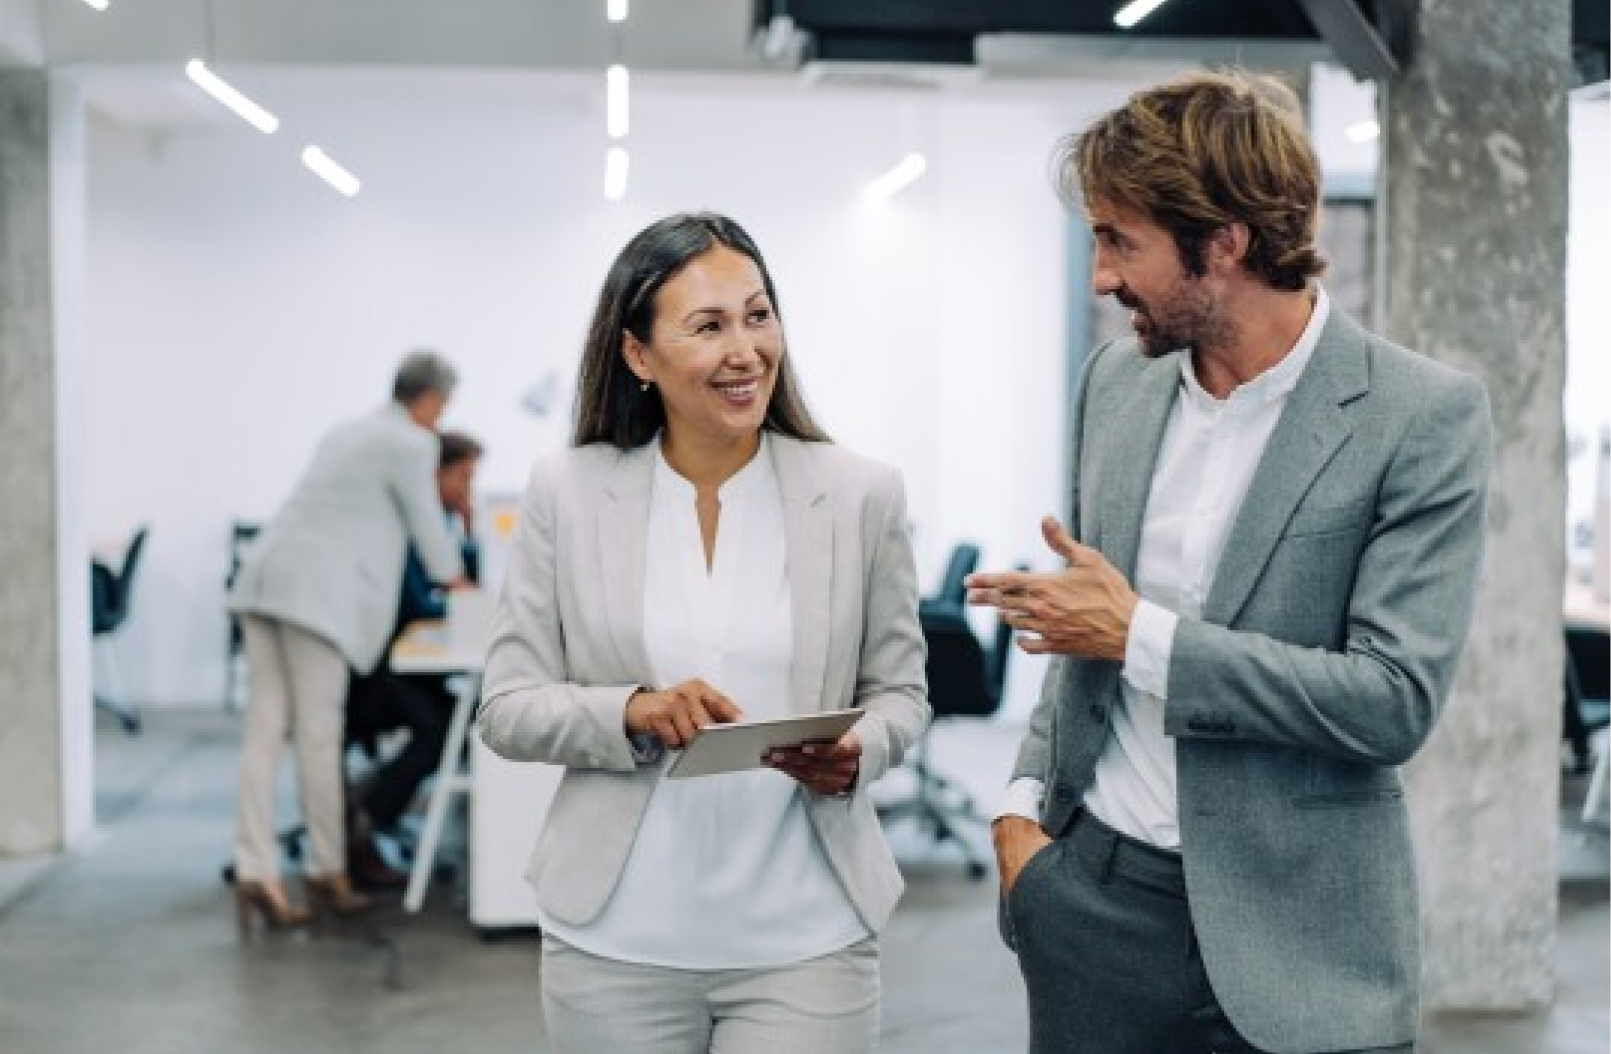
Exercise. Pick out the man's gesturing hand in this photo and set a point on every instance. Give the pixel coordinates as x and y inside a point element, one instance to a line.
<point>673,715</point>
<point>1083,610</point>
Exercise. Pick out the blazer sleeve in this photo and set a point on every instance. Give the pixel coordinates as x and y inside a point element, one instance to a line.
<point>1377,699</point>
<point>890,679</point>
<point>529,709</point>
<point>1034,753</point>
<point>413,486</point>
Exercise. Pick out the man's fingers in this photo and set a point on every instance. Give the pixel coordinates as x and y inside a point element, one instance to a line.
<point>1058,538</point>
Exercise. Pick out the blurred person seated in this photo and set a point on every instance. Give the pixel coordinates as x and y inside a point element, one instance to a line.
<point>422,704</point>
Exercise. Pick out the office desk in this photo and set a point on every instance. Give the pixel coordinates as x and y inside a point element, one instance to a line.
<point>508,800</point>
<point>1580,608</point>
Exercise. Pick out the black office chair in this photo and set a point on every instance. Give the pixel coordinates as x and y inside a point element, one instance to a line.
<point>964,559</point>
<point>1588,706</point>
<point>240,533</point>
<point>964,681</point>
<point>111,593</point>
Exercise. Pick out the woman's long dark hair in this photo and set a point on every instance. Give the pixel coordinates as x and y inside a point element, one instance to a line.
<point>611,407</point>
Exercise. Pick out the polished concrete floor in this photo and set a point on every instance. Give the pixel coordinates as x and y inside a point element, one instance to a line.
<point>129,947</point>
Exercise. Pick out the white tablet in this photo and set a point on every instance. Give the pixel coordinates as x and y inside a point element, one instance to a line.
<point>734,748</point>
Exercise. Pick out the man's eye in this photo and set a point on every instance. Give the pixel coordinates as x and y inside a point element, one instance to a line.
<point>760,315</point>
<point>708,327</point>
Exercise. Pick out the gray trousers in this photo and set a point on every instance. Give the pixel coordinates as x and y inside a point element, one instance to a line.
<point>827,1005</point>
<point>1110,958</point>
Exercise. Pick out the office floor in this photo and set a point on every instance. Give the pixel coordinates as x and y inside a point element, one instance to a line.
<point>130,946</point>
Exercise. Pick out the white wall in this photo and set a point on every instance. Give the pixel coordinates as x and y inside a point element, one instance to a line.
<point>238,307</point>
<point>1588,310</point>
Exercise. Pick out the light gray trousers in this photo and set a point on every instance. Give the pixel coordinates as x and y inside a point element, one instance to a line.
<point>298,686</point>
<point>828,1004</point>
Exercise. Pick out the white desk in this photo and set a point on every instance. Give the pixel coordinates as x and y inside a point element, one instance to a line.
<point>508,800</point>
<point>1582,608</point>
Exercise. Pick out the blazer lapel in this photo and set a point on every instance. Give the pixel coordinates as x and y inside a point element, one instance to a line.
<point>623,533</point>
<point>1312,428</point>
<point>808,535</point>
<point>1126,456</point>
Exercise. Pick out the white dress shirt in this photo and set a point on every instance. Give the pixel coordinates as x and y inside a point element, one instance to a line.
<point>725,872</point>
<point>1206,461</point>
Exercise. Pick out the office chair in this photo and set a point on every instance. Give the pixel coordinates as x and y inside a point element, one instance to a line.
<point>1588,703</point>
<point>240,533</point>
<point>964,681</point>
<point>964,559</point>
<point>110,596</point>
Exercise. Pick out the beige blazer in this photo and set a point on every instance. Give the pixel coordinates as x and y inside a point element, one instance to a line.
<point>568,651</point>
<point>331,561</point>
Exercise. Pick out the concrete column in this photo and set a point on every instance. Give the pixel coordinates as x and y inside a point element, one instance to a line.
<point>46,788</point>
<point>1475,222</point>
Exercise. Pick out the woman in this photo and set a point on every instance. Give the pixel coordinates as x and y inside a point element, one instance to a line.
<point>317,599</point>
<point>702,555</point>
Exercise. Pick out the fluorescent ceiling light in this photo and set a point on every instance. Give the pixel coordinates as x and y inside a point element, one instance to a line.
<point>885,186</point>
<point>615,101</point>
<point>1135,11</point>
<point>616,10</point>
<point>329,171</point>
<point>1363,132</point>
<point>615,173</point>
<point>99,5</point>
<point>218,88</point>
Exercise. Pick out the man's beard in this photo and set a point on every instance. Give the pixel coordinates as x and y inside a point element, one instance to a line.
<point>1183,321</point>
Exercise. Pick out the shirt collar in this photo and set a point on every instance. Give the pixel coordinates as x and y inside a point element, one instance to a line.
<point>754,474</point>
<point>1274,383</point>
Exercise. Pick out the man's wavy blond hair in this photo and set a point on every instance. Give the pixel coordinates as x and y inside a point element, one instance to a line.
<point>1202,152</point>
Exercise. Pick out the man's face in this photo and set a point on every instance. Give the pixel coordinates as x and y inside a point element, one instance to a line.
<point>1138,263</point>
<point>456,482</point>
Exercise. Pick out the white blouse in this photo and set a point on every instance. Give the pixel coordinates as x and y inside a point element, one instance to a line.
<point>726,871</point>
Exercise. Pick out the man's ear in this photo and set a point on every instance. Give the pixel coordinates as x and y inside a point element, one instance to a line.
<point>1230,244</point>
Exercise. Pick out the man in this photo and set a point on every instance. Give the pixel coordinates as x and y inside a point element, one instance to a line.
<point>422,704</point>
<point>1277,527</point>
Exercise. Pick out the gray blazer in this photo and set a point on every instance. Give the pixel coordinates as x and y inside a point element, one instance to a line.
<point>568,651</point>
<point>1324,655</point>
<point>331,561</point>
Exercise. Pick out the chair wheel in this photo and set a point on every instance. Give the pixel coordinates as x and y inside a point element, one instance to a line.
<point>976,870</point>
<point>227,873</point>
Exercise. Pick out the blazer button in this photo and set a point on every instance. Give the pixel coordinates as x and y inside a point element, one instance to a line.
<point>1099,713</point>
<point>1062,793</point>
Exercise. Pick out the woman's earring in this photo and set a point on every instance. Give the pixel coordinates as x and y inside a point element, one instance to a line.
<point>644,386</point>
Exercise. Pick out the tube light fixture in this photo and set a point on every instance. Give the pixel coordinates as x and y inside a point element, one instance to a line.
<point>1135,11</point>
<point>615,173</point>
<point>1363,132</point>
<point>615,10</point>
<point>218,88</point>
<point>616,101</point>
<point>99,5</point>
<point>896,179</point>
<point>326,169</point>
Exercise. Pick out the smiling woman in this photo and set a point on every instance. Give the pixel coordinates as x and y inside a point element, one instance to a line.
<point>737,911</point>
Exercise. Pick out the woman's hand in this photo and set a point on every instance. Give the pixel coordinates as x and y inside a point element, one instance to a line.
<point>822,768</point>
<point>675,714</point>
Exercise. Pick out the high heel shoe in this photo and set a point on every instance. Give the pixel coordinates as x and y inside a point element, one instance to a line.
<point>267,901</point>
<point>334,894</point>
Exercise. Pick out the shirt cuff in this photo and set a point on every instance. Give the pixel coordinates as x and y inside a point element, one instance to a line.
<point>1147,652</point>
<point>1024,797</point>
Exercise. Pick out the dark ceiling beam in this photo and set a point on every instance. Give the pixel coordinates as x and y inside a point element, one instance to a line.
<point>1358,46</point>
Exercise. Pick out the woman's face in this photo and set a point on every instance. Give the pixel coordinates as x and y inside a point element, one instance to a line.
<point>714,349</point>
